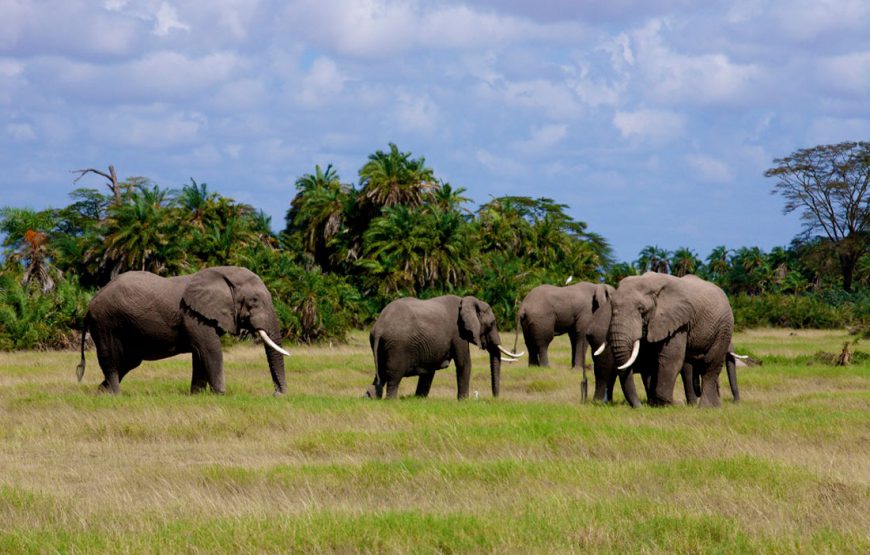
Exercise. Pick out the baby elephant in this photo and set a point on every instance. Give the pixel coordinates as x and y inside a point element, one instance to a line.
<point>414,337</point>
<point>142,316</point>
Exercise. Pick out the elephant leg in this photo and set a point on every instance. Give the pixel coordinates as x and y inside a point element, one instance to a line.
<point>207,348</point>
<point>603,389</point>
<point>670,362</point>
<point>688,376</point>
<point>393,388</point>
<point>424,384</point>
<point>115,365</point>
<point>531,346</point>
<point>199,379</point>
<point>111,384</point>
<point>626,380</point>
<point>578,360</point>
<point>543,357</point>
<point>710,386</point>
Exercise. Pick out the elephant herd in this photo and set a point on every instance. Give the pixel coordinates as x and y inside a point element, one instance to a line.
<point>655,324</point>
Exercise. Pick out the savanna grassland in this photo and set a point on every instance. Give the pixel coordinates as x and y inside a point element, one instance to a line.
<point>157,470</point>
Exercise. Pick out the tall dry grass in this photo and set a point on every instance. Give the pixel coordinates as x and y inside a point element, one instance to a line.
<point>321,469</point>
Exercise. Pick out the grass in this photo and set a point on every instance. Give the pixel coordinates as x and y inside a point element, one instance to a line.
<point>322,470</point>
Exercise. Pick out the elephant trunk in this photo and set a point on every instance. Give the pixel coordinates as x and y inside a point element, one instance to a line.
<point>731,367</point>
<point>495,370</point>
<point>275,357</point>
<point>622,342</point>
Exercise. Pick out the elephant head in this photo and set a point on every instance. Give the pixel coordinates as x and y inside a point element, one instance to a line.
<point>477,325</point>
<point>650,307</point>
<point>234,299</point>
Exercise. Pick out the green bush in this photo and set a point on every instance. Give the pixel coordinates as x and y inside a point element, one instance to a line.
<point>31,319</point>
<point>830,309</point>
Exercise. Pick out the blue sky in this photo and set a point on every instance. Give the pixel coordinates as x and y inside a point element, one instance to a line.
<point>654,120</point>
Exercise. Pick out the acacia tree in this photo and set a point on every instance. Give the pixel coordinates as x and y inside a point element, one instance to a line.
<point>830,186</point>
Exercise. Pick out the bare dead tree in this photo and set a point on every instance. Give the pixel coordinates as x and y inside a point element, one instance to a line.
<point>111,177</point>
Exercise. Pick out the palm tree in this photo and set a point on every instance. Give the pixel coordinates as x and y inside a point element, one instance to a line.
<point>653,259</point>
<point>391,178</point>
<point>317,212</point>
<point>684,261</point>
<point>141,234</point>
<point>717,263</point>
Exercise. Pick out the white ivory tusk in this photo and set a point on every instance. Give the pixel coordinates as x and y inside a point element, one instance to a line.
<point>510,354</point>
<point>634,351</point>
<point>506,359</point>
<point>600,349</point>
<point>735,355</point>
<point>268,341</point>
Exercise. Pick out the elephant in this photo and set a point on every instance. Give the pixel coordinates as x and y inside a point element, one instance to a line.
<point>548,311</point>
<point>414,337</point>
<point>683,321</point>
<point>606,370</point>
<point>142,316</point>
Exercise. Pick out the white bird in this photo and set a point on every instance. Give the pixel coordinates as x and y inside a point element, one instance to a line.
<point>567,281</point>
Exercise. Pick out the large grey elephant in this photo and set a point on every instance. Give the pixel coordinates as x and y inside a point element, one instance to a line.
<point>606,371</point>
<point>548,311</point>
<point>142,316</point>
<point>414,337</point>
<point>683,321</point>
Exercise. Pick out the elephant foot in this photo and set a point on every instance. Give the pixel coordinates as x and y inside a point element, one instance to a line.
<point>279,393</point>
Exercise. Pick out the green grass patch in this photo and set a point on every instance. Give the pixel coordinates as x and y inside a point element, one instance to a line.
<point>323,470</point>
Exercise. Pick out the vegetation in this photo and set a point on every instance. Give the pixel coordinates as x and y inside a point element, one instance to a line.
<point>830,185</point>
<point>346,250</point>
<point>321,470</point>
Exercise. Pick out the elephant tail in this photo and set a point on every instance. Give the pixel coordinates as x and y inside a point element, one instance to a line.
<point>80,369</point>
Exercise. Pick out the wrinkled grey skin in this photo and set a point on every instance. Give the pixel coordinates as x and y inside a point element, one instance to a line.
<point>414,337</point>
<point>548,311</point>
<point>606,368</point>
<point>684,321</point>
<point>141,316</point>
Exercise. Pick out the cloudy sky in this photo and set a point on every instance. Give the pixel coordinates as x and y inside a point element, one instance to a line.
<point>654,120</point>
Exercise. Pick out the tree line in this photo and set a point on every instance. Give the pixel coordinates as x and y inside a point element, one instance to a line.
<point>347,249</point>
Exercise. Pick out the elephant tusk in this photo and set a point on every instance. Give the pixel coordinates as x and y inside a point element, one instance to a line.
<point>506,359</point>
<point>510,354</point>
<point>634,351</point>
<point>735,355</point>
<point>268,341</point>
<point>600,349</point>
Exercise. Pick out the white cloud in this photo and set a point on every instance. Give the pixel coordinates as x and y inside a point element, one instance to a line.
<point>847,74</point>
<point>542,139</point>
<point>21,132</point>
<point>656,125</point>
<point>166,19</point>
<point>416,113</point>
<point>551,99</point>
<point>376,28</point>
<point>500,165</point>
<point>707,168</point>
<point>704,79</point>
<point>149,129</point>
<point>323,82</point>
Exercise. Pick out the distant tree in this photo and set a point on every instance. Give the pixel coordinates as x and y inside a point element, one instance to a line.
<point>684,261</point>
<point>830,186</point>
<point>653,259</point>
<point>391,178</point>
<point>317,212</point>
<point>718,267</point>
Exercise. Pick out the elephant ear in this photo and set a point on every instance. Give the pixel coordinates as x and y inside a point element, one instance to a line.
<point>210,294</point>
<point>601,295</point>
<point>469,322</point>
<point>672,311</point>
